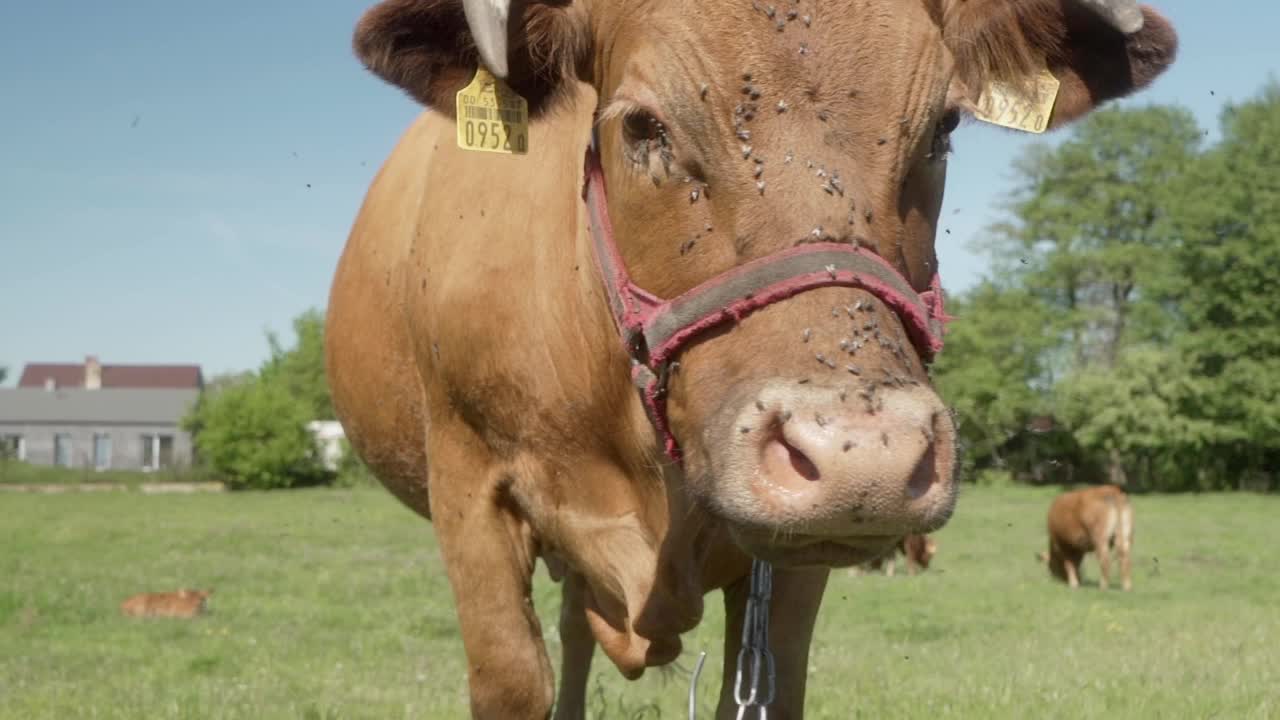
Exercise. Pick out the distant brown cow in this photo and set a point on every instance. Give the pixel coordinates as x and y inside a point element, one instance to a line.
<point>918,550</point>
<point>183,603</point>
<point>1093,519</point>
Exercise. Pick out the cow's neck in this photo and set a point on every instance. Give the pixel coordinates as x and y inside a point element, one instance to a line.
<point>613,494</point>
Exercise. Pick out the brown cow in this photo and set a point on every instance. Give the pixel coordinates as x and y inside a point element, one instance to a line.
<point>1096,519</point>
<point>917,549</point>
<point>185,603</point>
<point>475,318</point>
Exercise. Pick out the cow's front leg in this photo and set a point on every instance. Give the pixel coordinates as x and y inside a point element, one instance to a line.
<point>1072,564</point>
<point>793,610</point>
<point>1126,568</point>
<point>577,646</point>
<point>489,554</point>
<point>1104,563</point>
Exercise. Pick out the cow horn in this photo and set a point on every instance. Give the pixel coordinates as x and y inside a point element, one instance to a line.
<point>1123,15</point>
<point>488,22</point>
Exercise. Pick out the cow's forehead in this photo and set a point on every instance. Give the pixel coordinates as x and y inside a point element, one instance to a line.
<point>792,40</point>
<point>840,81</point>
<point>866,58</point>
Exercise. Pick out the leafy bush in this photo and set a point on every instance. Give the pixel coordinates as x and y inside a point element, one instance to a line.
<point>250,429</point>
<point>255,436</point>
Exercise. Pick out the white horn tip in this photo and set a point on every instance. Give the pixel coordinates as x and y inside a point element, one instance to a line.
<point>1129,20</point>
<point>488,22</point>
<point>1123,15</point>
<point>495,57</point>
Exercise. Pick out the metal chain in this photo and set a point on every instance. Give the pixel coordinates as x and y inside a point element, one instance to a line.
<point>755,648</point>
<point>754,653</point>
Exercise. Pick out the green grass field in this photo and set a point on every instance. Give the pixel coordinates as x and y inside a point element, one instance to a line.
<point>333,604</point>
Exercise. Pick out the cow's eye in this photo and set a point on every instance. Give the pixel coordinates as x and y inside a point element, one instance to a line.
<point>947,124</point>
<point>647,143</point>
<point>641,126</point>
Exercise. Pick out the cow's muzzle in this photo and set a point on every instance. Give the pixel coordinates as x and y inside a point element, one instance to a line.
<point>811,478</point>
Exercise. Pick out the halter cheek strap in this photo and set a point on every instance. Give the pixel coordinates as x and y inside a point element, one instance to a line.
<point>655,330</point>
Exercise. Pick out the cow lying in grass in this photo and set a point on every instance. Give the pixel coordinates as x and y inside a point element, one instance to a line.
<point>1095,519</point>
<point>183,603</point>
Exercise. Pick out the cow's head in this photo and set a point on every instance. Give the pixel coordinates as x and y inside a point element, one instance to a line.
<point>734,129</point>
<point>1056,562</point>
<point>922,548</point>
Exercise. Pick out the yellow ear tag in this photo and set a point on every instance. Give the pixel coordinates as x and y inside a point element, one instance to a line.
<point>1012,107</point>
<point>492,117</point>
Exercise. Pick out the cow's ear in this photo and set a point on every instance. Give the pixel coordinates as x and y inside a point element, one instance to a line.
<point>1011,40</point>
<point>426,48</point>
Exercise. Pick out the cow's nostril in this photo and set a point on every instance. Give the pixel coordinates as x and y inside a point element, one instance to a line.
<point>924,474</point>
<point>926,471</point>
<point>801,462</point>
<point>785,464</point>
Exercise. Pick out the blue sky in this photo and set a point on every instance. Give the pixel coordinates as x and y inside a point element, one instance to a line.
<point>177,177</point>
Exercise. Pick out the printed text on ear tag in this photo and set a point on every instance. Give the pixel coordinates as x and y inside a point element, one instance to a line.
<point>492,117</point>
<point>1021,109</point>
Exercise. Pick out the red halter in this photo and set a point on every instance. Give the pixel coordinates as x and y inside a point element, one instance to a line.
<point>654,330</point>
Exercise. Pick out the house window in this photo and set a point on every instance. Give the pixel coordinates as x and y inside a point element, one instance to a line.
<point>13,447</point>
<point>101,451</point>
<point>62,449</point>
<point>157,451</point>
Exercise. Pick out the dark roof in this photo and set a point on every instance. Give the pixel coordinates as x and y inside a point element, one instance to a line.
<point>71,375</point>
<point>79,406</point>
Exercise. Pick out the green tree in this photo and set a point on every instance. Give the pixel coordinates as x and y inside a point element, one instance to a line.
<point>1088,237</point>
<point>197,415</point>
<point>4,374</point>
<point>250,428</point>
<point>300,369</point>
<point>1088,232</point>
<point>1228,228</point>
<point>1139,273</point>
<point>993,371</point>
<point>1137,414</point>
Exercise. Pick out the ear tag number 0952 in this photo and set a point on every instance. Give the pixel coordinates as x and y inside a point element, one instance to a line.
<point>1026,110</point>
<point>492,117</point>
